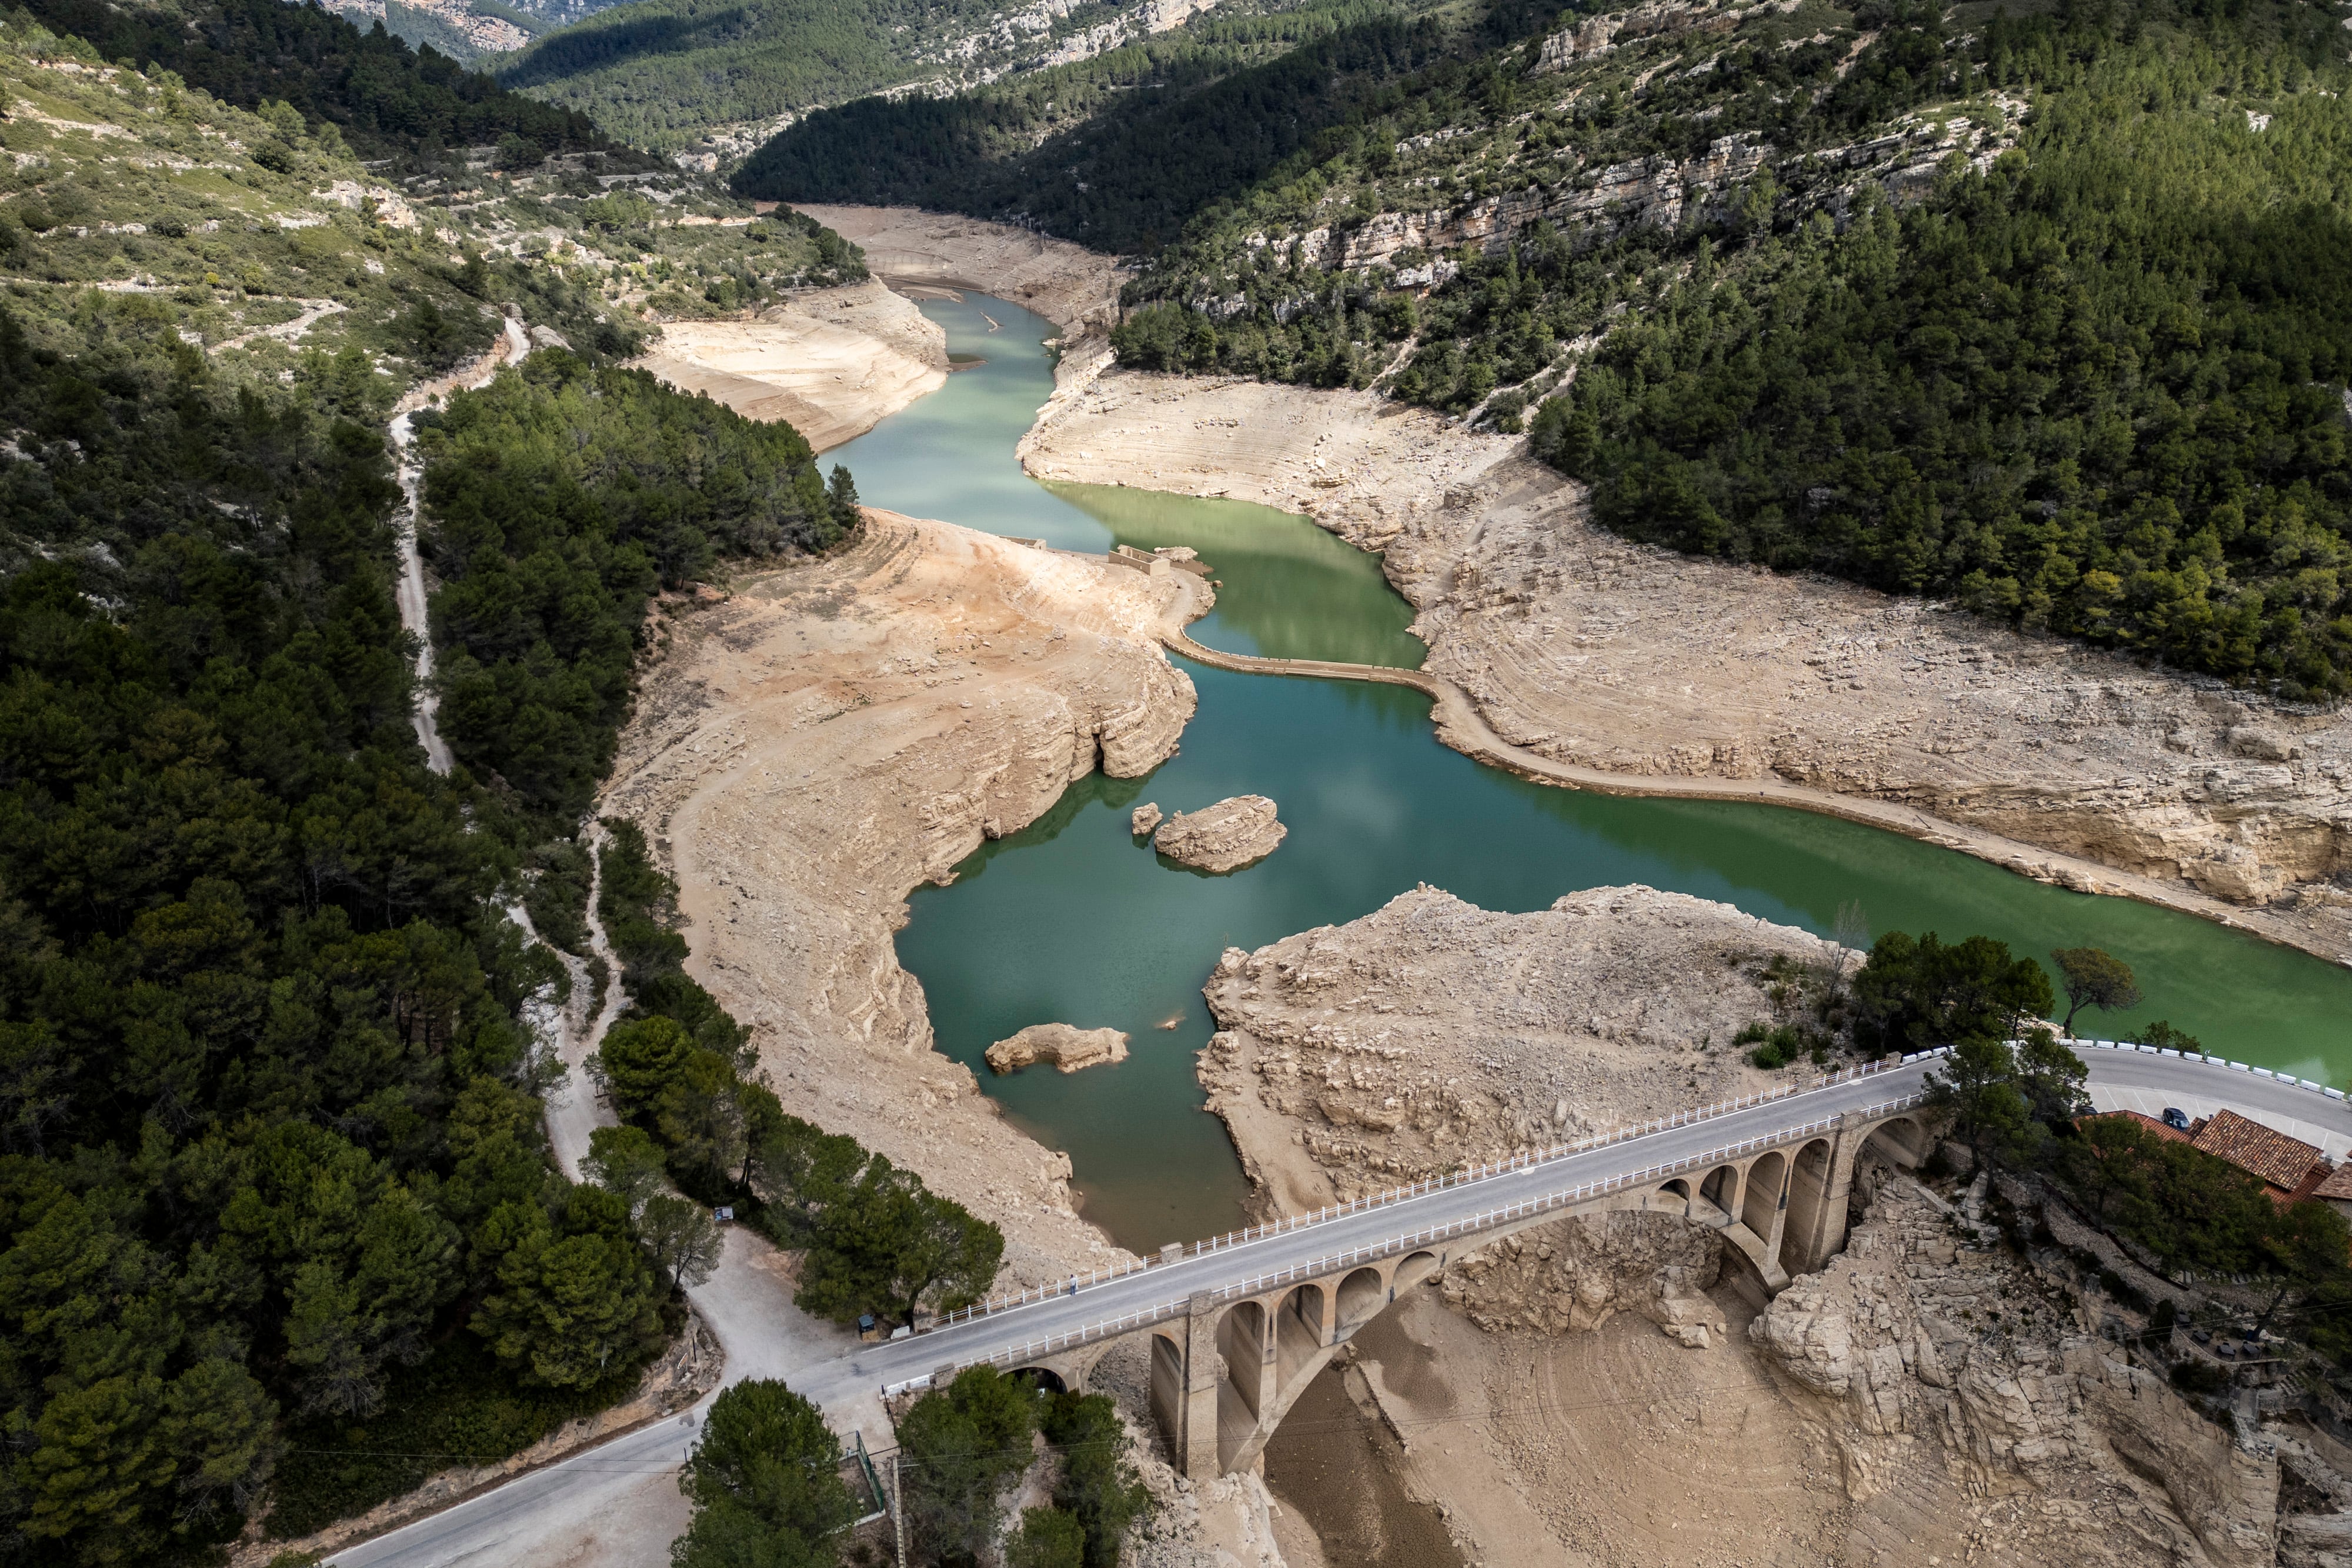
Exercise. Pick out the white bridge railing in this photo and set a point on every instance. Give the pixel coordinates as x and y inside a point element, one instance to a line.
<point>2287,1078</point>
<point>1489,1219</point>
<point>1071,1284</point>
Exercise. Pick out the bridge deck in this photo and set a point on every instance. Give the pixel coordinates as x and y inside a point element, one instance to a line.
<point>846,1386</point>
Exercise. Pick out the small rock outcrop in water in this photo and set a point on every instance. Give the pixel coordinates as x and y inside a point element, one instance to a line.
<point>1225,836</point>
<point>1143,819</point>
<point>1066,1047</point>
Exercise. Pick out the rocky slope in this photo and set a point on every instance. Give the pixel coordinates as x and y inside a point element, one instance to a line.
<point>1431,1031</point>
<point>1961,1386</point>
<point>1927,1397</point>
<point>807,750</point>
<point>1650,666</point>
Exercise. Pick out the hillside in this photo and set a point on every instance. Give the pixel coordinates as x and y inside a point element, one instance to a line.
<point>1120,150</point>
<point>280,1222</point>
<point>675,74</point>
<point>2045,312</point>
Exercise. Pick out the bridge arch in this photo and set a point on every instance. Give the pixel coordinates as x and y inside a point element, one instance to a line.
<point>1302,1330</point>
<point>1043,1378</point>
<point>1416,1268</point>
<point>1721,1188</point>
<point>1168,1382</point>
<point>1361,1296</point>
<point>1807,1204</point>
<point>1760,1205</point>
<point>1901,1140</point>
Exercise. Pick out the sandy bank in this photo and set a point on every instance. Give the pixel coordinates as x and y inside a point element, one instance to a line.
<point>1069,285</point>
<point>1650,668</point>
<point>805,753</point>
<point>834,362</point>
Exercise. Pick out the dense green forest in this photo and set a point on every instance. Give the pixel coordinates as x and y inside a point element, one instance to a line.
<point>2085,376</point>
<point>384,96</point>
<point>562,497</point>
<point>1118,152</point>
<point>2098,389</point>
<point>279,1229</point>
<point>662,72</point>
<point>271,1139</point>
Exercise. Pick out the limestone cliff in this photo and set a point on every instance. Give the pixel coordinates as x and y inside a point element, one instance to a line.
<point>1942,1368</point>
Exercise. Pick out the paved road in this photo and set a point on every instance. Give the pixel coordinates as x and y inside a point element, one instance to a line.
<point>622,1474</point>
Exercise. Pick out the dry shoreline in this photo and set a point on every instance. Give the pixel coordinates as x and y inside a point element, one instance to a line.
<point>831,735</point>
<point>832,362</point>
<point>1579,658</point>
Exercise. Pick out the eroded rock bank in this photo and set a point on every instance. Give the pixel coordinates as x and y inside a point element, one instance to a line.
<point>1641,664</point>
<point>1063,1046</point>
<point>805,751</point>
<point>1932,1394</point>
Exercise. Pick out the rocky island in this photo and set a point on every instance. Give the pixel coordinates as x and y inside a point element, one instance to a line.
<point>1066,1047</point>
<point>1236,832</point>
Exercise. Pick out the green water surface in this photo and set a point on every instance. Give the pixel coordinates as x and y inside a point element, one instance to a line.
<point>1073,920</point>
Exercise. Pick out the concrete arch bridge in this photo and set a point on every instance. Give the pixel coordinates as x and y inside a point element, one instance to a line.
<point>1238,1323</point>
<point>1265,1309</point>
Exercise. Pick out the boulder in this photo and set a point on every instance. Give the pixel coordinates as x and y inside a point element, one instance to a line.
<point>1066,1047</point>
<point>1225,836</point>
<point>1143,819</point>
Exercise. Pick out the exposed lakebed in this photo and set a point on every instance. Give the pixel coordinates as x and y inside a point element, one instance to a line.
<point>1073,920</point>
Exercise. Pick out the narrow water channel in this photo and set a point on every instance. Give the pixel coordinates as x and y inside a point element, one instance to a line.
<point>1073,921</point>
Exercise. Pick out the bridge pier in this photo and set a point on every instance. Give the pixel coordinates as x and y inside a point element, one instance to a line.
<point>1226,1371</point>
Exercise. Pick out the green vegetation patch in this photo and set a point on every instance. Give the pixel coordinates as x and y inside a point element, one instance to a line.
<point>1119,152</point>
<point>2096,390</point>
<point>384,96</point>
<point>559,497</point>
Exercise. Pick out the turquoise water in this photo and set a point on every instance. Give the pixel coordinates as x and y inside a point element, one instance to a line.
<point>1072,921</point>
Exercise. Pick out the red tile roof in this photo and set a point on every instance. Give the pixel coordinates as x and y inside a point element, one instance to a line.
<point>2339,1184</point>
<point>2279,1160</point>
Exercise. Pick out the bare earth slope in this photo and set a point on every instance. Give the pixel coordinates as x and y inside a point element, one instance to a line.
<point>1927,1397</point>
<point>805,753</point>
<point>832,362</point>
<point>1596,653</point>
<point>1067,284</point>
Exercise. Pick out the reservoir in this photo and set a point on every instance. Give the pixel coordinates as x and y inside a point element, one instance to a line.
<point>1073,920</point>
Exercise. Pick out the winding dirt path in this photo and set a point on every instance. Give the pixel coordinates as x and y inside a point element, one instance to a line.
<point>410,591</point>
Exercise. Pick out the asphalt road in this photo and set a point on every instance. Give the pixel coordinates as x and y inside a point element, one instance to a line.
<point>507,1525</point>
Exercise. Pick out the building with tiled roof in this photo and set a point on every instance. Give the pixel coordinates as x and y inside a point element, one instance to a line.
<point>2148,1125</point>
<point>2336,1190</point>
<point>2291,1167</point>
